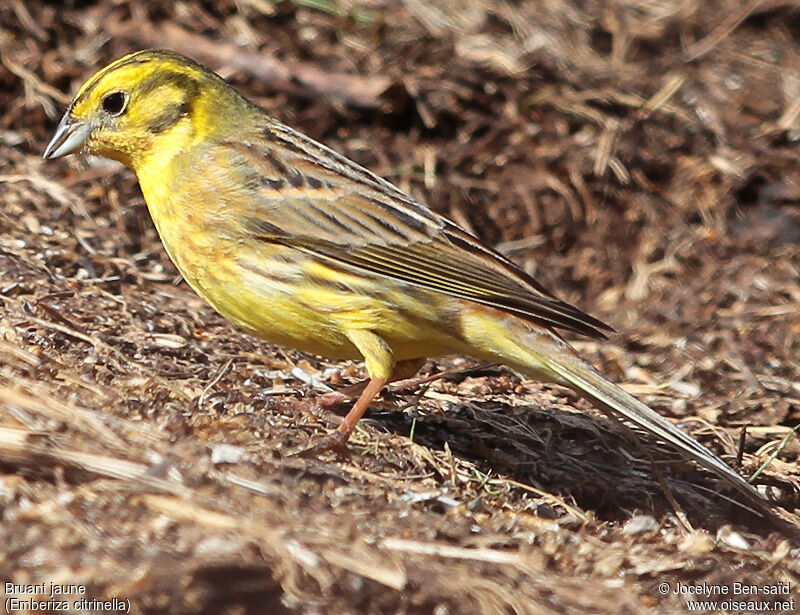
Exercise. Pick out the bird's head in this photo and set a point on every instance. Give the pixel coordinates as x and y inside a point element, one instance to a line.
<point>144,100</point>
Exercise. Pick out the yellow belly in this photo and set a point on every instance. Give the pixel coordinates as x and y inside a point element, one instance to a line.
<point>285,298</point>
<point>288,297</point>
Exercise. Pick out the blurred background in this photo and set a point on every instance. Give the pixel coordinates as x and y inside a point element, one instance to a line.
<point>640,158</point>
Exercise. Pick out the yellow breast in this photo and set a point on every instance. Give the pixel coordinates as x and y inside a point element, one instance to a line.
<point>278,293</point>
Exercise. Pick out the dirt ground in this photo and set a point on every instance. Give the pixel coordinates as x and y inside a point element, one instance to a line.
<point>639,158</point>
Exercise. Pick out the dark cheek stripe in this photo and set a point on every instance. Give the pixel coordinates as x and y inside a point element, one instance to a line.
<point>168,117</point>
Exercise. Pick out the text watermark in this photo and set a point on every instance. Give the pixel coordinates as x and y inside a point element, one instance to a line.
<point>734,596</point>
<point>57,597</point>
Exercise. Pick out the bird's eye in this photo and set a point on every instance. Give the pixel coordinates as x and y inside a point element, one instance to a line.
<point>114,103</point>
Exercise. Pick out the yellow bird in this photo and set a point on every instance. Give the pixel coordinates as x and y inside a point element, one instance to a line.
<point>303,247</point>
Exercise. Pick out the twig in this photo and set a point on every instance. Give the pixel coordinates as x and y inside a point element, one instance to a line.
<point>223,370</point>
<point>492,556</point>
<point>723,29</point>
<point>20,445</point>
<point>776,452</point>
<point>64,412</point>
<point>543,494</point>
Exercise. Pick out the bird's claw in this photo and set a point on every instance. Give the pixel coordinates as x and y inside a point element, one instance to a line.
<point>335,442</point>
<point>320,408</point>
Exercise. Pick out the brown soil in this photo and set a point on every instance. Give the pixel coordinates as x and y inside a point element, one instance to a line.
<point>640,158</point>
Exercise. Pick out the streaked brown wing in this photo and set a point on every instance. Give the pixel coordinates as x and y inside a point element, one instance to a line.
<point>425,265</point>
<point>317,201</point>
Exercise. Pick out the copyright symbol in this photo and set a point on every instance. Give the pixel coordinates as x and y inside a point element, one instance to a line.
<point>663,588</point>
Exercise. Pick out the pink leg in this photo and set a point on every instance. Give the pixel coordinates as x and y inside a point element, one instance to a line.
<point>368,390</point>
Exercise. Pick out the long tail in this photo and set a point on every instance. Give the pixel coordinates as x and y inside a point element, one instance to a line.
<point>610,398</point>
<point>541,354</point>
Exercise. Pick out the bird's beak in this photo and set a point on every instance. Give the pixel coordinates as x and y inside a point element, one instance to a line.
<point>70,135</point>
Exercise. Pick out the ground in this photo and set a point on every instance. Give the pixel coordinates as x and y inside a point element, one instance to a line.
<point>639,158</point>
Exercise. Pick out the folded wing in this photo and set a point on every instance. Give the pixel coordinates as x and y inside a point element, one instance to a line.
<point>316,201</point>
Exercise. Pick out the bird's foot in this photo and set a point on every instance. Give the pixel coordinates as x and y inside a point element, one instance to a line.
<point>335,442</point>
<point>320,407</point>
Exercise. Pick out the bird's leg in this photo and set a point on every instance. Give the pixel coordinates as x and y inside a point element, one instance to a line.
<point>369,393</point>
<point>327,401</point>
<point>321,406</point>
<point>381,368</point>
<point>337,441</point>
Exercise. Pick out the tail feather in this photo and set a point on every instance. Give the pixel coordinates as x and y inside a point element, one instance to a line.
<point>542,354</point>
<point>610,398</point>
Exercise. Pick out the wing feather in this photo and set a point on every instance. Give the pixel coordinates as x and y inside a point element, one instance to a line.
<point>336,210</point>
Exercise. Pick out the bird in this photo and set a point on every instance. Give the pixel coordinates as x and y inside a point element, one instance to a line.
<point>300,246</point>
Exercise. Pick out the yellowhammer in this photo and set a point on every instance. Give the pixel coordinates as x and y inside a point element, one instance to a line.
<point>302,247</point>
